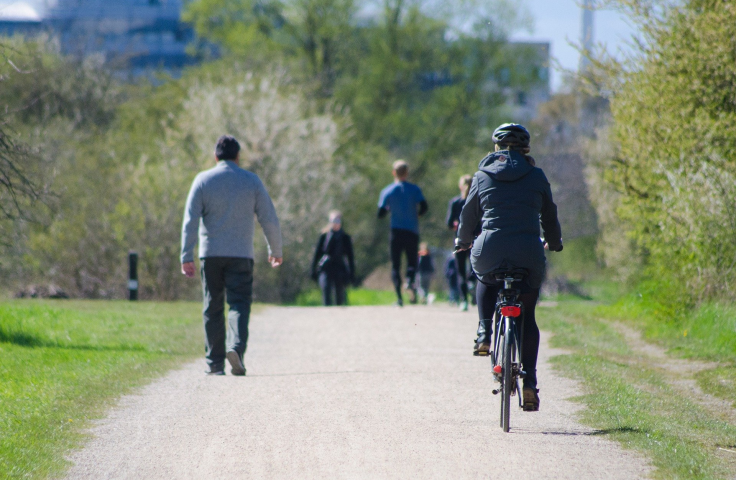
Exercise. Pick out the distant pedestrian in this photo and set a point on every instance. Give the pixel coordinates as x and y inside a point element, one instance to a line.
<point>451,277</point>
<point>466,276</point>
<point>406,203</point>
<point>426,271</point>
<point>333,265</point>
<point>221,206</point>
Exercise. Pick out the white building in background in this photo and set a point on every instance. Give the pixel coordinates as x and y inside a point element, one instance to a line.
<point>19,18</point>
<point>134,35</point>
<point>526,99</point>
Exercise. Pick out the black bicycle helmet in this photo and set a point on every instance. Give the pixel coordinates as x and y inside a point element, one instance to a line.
<point>511,135</point>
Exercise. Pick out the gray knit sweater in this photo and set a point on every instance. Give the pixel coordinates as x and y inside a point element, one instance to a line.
<point>222,204</point>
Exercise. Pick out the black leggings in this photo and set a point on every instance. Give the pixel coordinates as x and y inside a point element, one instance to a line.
<point>487,296</point>
<point>403,241</point>
<point>461,261</point>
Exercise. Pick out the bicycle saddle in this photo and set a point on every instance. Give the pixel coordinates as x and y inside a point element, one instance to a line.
<point>516,273</point>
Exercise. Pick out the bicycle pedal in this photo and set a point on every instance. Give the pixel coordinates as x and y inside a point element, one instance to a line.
<point>495,392</point>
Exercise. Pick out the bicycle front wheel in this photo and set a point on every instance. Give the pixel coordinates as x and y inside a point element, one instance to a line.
<point>507,387</point>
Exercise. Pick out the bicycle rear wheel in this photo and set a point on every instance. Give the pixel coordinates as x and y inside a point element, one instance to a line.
<point>507,387</point>
<point>499,361</point>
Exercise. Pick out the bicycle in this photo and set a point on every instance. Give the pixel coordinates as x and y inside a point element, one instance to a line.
<point>507,339</point>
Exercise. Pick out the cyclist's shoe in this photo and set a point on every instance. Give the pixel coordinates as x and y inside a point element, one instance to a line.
<point>481,349</point>
<point>218,370</point>
<point>463,306</point>
<point>531,399</point>
<point>236,363</point>
<point>483,340</point>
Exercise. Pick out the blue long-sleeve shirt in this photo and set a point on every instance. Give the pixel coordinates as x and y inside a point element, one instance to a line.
<point>221,207</point>
<point>402,199</point>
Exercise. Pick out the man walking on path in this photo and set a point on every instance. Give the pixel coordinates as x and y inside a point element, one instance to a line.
<point>406,203</point>
<point>221,206</point>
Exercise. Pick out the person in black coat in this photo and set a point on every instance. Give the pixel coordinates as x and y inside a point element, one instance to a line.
<point>511,196</point>
<point>461,256</point>
<point>333,265</point>
<point>425,269</point>
<point>451,277</point>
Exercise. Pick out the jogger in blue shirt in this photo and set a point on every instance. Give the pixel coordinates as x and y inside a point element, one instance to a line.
<point>406,203</point>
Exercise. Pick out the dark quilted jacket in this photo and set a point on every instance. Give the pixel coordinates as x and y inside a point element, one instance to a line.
<point>510,197</point>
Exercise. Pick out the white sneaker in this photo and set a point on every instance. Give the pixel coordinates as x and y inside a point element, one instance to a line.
<point>464,306</point>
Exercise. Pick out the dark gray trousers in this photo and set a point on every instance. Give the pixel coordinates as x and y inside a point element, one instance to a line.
<point>231,278</point>
<point>329,282</point>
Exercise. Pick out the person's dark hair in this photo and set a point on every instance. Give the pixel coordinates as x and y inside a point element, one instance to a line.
<point>227,148</point>
<point>512,135</point>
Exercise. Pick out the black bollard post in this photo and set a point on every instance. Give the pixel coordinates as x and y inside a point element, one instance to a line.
<point>133,275</point>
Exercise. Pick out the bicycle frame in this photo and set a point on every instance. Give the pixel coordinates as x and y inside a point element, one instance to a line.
<point>507,320</point>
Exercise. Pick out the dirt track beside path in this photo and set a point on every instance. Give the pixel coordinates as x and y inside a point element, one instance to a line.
<point>359,392</point>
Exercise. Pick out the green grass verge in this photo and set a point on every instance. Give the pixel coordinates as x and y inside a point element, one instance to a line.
<point>631,402</point>
<point>707,332</point>
<point>356,297</point>
<point>720,382</point>
<point>62,362</point>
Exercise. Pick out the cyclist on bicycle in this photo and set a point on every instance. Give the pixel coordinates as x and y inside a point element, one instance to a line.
<point>509,195</point>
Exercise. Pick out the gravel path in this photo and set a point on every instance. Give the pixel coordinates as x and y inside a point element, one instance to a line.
<point>360,392</point>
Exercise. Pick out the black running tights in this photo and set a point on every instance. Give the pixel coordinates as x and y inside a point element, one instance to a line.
<point>403,241</point>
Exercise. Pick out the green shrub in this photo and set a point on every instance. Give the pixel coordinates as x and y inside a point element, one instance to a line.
<point>674,114</point>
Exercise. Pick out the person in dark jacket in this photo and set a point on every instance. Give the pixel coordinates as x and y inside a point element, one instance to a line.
<point>453,222</point>
<point>510,196</point>
<point>451,277</point>
<point>425,268</point>
<point>333,266</point>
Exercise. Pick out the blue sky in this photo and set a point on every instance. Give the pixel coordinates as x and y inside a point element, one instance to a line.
<point>559,22</point>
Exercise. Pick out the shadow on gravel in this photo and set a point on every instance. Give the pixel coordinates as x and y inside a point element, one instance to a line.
<point>574,433</point>
<point>309,373</point>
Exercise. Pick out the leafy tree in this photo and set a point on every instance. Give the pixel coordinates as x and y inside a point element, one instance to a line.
<point>21,184</point>
<point>674,114</point>
<point>411,81</point>
<point>316,31</point>
<point>322,99</point>
<point>50,105</point>
<point>292,149</point>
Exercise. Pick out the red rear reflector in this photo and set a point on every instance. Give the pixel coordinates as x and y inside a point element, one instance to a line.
<point>511,311</point>
<point>497,369</point>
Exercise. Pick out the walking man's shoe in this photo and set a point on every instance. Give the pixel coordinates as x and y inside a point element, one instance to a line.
<point>236,363</point>
<point>531,399</point>
<point>215,371</point>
